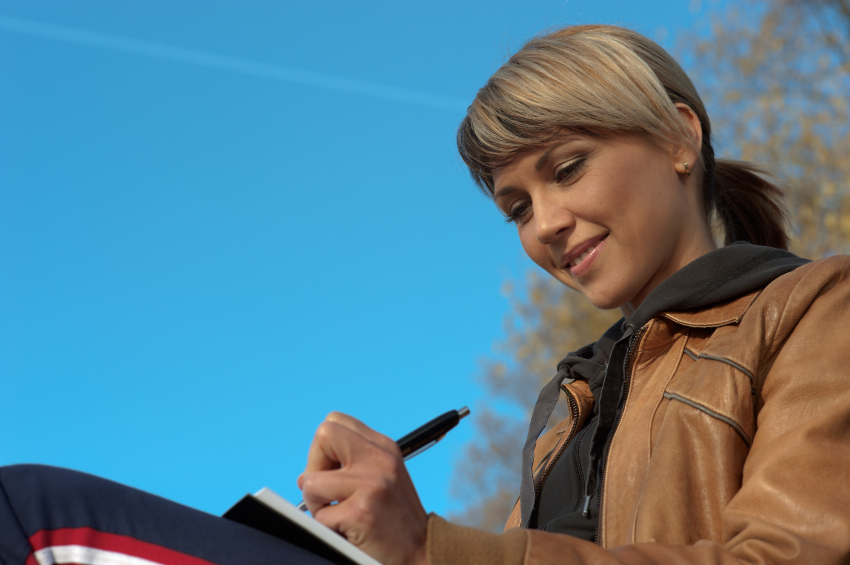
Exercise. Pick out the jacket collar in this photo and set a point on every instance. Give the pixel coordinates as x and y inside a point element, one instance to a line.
<point>713,290</point>
<point>722,314</point>
<point>715,278</point>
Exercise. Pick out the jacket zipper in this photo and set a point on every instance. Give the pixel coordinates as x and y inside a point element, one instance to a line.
<point>627,377</point>
<point>551,463</point>
<point>577,461</point>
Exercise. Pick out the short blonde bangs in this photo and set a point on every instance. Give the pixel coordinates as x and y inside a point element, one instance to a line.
<point>584,78</point>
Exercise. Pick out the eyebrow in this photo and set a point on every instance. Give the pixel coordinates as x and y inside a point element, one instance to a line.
<point>537,166</point>
<point>503,191</point>
<point>567,139</point>
<point>542,160</point>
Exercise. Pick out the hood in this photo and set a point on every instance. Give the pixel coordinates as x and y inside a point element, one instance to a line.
<point>717,276</point>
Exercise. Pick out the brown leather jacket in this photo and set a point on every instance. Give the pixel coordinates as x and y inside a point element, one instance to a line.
<point>733,447</point>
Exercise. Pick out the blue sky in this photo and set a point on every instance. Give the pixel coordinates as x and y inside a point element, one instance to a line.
<point>221,220</point>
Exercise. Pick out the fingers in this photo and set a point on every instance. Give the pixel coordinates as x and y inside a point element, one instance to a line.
<point>331,447</point>
<point>366,526</point>
<point>359,427</point>
<point>336,445</point>
<point>356,484</point>
<point>351,459</point>
<point>377,508</point>
<point>370,482</point>
<point>339,437</point>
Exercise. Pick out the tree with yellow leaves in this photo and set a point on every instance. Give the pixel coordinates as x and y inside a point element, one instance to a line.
<point>779,94</point>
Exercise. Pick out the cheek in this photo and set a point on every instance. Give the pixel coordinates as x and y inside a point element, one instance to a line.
<point>535,250</point>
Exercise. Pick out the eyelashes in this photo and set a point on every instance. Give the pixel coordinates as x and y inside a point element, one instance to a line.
<point>517,213</point>
<point>562,175</point>
<point>570,170</point>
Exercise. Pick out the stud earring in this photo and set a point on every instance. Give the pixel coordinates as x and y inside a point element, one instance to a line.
<point>687,168</point>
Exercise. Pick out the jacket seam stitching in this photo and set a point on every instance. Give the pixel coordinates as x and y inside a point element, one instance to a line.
<point>712,413</point>
<point>731,363</point>
<point>716,324</point>
<point>703,326</point>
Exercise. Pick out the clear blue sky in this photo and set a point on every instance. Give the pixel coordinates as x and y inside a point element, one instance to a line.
<point>221,220</point>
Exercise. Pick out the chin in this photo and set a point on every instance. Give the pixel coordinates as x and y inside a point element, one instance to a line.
<point>607,305</point>
<point>604,301</point>
<point>598,297</point>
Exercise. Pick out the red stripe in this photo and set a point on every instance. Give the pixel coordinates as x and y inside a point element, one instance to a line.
<point>89,537</point>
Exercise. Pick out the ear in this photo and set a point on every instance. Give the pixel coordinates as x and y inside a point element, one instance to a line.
<point>686,157</point>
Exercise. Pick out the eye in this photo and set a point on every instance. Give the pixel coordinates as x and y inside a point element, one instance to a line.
<point>569,170</point>
<point>518,213</point>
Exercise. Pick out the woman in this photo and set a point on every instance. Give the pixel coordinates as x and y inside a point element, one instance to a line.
<point>712,424</point>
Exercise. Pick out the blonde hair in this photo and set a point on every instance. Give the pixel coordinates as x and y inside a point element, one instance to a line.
<point>599,79</point>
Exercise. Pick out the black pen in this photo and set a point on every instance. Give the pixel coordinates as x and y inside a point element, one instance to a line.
<point>423,437</point>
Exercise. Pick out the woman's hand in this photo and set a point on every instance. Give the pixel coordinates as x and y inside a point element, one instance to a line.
<point>377,508</point>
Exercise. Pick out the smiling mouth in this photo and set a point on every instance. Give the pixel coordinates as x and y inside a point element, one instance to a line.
<point>591,247</point>
<point>580,258</point>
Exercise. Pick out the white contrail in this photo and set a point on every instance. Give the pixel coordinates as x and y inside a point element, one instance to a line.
<point>235,64</point>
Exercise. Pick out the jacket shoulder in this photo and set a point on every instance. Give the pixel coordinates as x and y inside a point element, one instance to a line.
<point>793,295</point>
<point>820,274</point>
<point>800,309</point>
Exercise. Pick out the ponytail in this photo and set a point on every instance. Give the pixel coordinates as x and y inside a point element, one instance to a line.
<point>749,207</point>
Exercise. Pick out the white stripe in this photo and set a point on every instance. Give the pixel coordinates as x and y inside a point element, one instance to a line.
<point>58,554</point>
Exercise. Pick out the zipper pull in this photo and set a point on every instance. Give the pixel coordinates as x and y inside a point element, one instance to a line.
<point>586,511</point>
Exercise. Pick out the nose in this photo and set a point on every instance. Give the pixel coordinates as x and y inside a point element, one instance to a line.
<point>552,220</point>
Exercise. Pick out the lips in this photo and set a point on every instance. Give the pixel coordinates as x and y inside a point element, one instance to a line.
<point>580,258</point>
<point>577,257</point>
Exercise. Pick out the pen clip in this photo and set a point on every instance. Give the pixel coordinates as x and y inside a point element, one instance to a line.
<point>420,450</point>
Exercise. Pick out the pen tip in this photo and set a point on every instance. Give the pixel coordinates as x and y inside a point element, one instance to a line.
<point>463,412</point>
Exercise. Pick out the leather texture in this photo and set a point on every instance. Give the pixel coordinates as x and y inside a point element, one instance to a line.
<point>733,446</point>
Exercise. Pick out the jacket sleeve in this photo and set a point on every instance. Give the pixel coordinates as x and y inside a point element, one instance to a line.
<point>794,502</point>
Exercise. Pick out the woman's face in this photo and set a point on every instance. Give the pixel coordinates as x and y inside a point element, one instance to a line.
<point>611,217</point>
